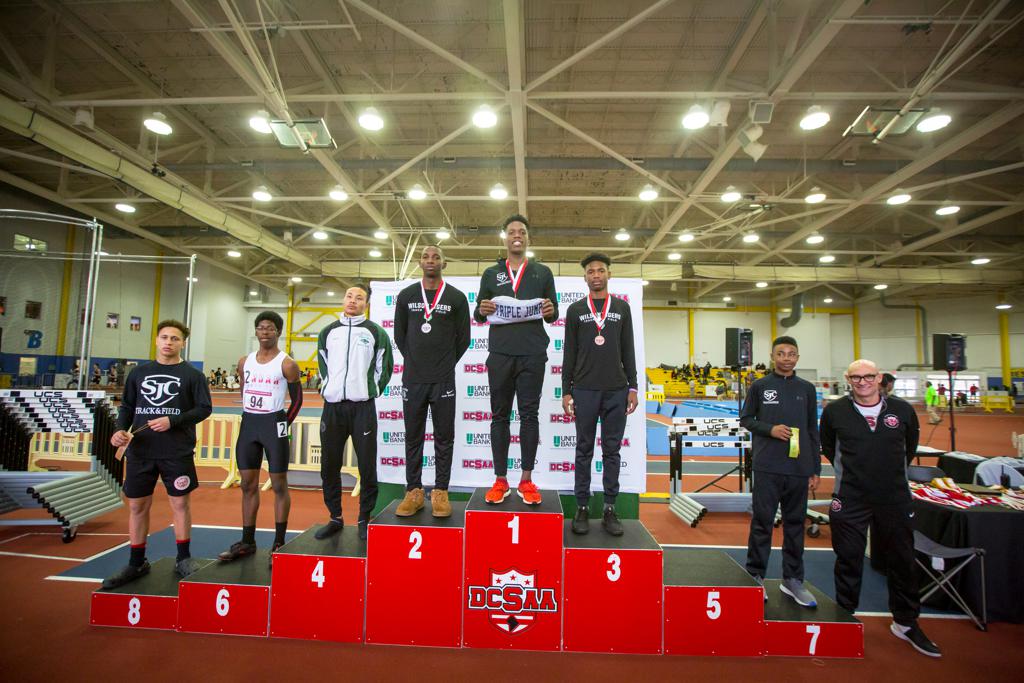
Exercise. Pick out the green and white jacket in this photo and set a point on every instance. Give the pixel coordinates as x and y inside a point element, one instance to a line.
<point>355,360</point>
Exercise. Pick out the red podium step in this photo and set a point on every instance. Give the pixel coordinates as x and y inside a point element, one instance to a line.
<point>795,631</point>
<point>319,587</point>
<point>513,573</point>
<point>712,605</point>
<point>227,597</point>
<point>612,593</point>
<point>414,578</point>
<point>148,602</point>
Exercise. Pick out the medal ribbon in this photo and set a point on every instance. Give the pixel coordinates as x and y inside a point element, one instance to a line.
<point>516,277</point>
<point>604,312</point>
<point>428,308</point>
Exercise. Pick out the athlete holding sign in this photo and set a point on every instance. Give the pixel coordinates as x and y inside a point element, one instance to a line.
<point>266,374</point>
<point>432,332</point>
<point>516,297</point>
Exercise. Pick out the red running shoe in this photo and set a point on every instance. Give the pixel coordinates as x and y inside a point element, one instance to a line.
<point>498,493</point>
<point>529,493</point>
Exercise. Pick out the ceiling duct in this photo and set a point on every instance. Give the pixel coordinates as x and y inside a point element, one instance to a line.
<point>796,311</point>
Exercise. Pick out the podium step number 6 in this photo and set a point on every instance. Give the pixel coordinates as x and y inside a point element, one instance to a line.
<point>416,539</point>
<point>318,574</point>
<point>815,631</point>
<point>222,602</point>
<point>134,611</point>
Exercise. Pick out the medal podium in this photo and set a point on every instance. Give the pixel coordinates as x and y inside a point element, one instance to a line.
<point>509,576</point>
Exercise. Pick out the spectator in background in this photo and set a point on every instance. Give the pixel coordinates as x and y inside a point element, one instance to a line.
<point>974,393</point>
<point>887,384</point>
<point>96,373</point>
<point>112,375</point>
<point>931,404</point>
<point>942,390</point>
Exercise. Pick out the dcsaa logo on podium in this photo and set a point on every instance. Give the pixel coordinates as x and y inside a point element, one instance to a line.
<point>512,600</point>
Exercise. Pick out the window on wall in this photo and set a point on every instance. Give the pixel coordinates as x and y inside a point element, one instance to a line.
<point>26,243</point>
<point>905,388</point>
<point>34,310</point>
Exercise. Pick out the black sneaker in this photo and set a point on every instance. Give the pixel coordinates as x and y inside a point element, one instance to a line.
<point>270,557</point>
<point>186,566</point>
<point>237,550</point>
<point>917,639</point>
<point>611,522</point>
<point>127,574</point>
<point>363,528</point>
<point>327,530</point>
<point>581,522</point>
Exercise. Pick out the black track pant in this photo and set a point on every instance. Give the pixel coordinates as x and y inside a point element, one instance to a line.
<point>341,420</point>
<point>521,377</point>
<point>439,397</point>
<point>894,540</point>
<point>610,407</point>
<point>771,489</point>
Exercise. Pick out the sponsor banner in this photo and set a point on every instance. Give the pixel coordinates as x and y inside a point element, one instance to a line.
<point>472,460</point>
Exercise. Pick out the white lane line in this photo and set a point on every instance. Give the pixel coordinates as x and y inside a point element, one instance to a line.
<point>76,579</point>
<point>43,557</point>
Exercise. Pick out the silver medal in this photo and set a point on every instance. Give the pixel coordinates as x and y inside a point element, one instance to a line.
<point>425,328</point>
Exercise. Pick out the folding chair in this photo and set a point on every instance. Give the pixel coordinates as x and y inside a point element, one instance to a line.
<point>941,577</point>
<point>924,474</point>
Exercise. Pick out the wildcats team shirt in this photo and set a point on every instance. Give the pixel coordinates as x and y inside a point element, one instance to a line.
<point>178,392</point>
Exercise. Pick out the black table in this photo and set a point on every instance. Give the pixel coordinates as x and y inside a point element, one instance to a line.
<point>997,529</point>
<point>960,469</point>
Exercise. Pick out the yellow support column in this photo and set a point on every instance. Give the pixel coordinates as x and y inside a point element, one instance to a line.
<point>158,284</point>
<point>1004,346</point>
<point>917,336</point>
<point>689,331</point>
<point>774,313</point>
<point>65,294</point>
<point>856,332</point>
<point>288,321</point>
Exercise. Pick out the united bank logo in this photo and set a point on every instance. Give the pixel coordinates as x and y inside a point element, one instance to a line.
<point>479,344</point>
<point>558,344</point>
<point>479,391</point>
<point>472,297</point>
<point>558,393</point>
<point>483,439</point>
<point>570,297</point>
<point>512,601</point>
<point>399,437</point>
<point>393,391</point>
<point>564,441</point>
<point>390,299</point>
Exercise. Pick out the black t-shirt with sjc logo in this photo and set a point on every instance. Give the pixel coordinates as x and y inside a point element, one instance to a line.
<point>178,392</point>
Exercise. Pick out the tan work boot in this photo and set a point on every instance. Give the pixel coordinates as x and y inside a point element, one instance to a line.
<point>411,504</point>
<point>439,503</point>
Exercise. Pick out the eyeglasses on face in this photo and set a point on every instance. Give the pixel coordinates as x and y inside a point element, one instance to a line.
<point>857,379</point>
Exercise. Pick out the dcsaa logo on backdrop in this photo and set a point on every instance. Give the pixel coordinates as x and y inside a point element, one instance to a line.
<point>160,389</point>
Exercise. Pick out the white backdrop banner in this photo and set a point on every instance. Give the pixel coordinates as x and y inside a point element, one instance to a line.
<point>472,465</point>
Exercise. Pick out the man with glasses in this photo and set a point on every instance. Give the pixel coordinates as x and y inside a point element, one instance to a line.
<point>870,440</point>
<point>781,412</point>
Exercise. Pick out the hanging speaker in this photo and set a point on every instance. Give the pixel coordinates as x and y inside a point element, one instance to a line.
<point>949,352</point>
<point>739,347</point>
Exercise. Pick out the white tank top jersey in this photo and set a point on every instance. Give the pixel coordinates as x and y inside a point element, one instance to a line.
<point>264,386</point>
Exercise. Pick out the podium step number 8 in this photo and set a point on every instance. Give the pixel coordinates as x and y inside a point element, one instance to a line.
<point>134,611</point>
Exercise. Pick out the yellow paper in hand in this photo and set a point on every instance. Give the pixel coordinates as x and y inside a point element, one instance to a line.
<point>794,442</point>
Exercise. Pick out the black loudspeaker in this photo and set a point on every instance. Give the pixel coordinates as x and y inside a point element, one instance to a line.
<point>949,352</point>
<point>739,347</point>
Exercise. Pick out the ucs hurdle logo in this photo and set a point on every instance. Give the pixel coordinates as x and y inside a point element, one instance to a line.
<point>512,601</point>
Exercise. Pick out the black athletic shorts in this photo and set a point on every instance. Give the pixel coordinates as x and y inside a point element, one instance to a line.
<point>261,433</point>
<point>178,474</point>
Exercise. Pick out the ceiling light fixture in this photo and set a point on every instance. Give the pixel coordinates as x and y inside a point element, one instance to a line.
<point>816,196</point>
<point>897,198</point>
<point>501,234</point>
<point>648,194</point>
<point>674,256</point>
<point>157,123</point>
<point>375,253</point>
<point>696,118</point>
<point>380,235</point>
<point>827,300</point>
<point>686,237</point>
<point>371,119</point>
<point>980,261</point>
<point>260,122</point>
<point>124,208</point>
<point>330,292</point>
<point>234,253</point>
<point>319,235</point>
<point>484,117</point>
<point>726,299</point>
<point>417,192</point>
<point>815,238</point>
<point>644,283</point>
<point>933,121</point>
<point>947,210</point>
<point>442,234</point>
<point>253,292</point>
<point>296,279</point>
<point>751,237</point>
<point>499,192</point>
<point>815,118</point>
<point>622,235</point>
<point>338,193</point>
<point>761,285</point>
<point>880,287</point>
<point>1004,307</point>
<point>731,194</point>
<point>826,258</point>
<point>529,254</point>
<point>262,194</point>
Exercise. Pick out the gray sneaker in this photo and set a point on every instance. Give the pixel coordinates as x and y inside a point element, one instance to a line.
<point>794,588</point>
<point>186,566</point>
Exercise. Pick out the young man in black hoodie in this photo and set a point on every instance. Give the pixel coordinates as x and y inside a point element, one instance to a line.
<point>163,402</point>
<point>870,440</point>
<point>781,411</point>
<point>432,332</point>
<point>517,297</point>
